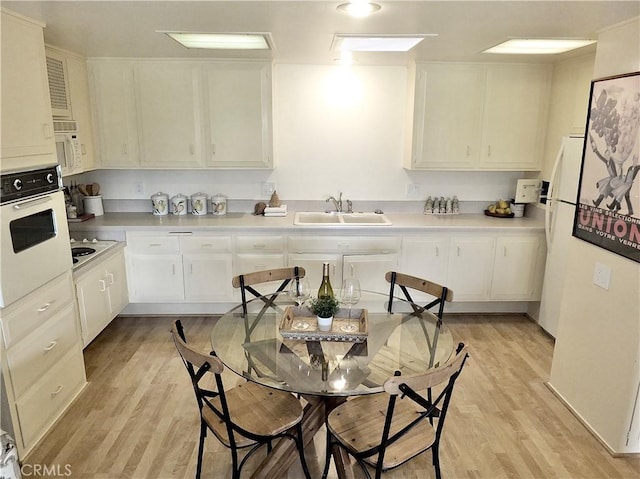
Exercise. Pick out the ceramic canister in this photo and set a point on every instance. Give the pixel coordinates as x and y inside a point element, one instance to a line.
<point>199,204</point>
<point>218,205</point>
<point>160,203</point>
<point>179,204</point>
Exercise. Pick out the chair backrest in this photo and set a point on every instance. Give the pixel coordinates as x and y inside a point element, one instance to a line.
<point>409,387</point>
<point>247,281</point>
<point>404,281</point>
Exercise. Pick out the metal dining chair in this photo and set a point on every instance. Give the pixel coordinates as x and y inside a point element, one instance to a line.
<point>441,293</point>
<point>247,416</point>
<point>388,429</point>
<point>246,283</point>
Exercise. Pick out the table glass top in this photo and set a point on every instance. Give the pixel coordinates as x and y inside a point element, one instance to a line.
<point>406,340</point>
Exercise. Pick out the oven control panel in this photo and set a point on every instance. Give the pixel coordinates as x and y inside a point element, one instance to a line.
<point>25,184</point>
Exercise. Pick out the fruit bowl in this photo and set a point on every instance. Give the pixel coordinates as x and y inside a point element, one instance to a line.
<point>498,215</point>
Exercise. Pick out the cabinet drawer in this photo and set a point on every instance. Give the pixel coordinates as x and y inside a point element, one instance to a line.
<point>259,244</point>
<point>36,308</point>
<point>40,350</point>
<point>343,244</point>
<point>153,244</point>
<point>205,244</point>
<point>43,403</point>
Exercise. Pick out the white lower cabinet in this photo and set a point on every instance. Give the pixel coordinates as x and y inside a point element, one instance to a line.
<point>470,267</point>
<point>41,358</point>
<point>179,267</point>
<point>425,257</point>
<point>517,267</point>
<point>102,294</point>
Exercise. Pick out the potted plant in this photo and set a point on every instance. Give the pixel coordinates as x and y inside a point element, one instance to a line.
<point>324,309</point>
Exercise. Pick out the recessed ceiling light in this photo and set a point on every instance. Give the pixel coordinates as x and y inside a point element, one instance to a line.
<point>222,41</point>
<point>538,46</point>
<point>359,8</point>
<point>377,43</point>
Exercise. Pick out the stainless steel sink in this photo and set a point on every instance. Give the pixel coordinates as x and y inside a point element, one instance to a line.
<point>316,218</point>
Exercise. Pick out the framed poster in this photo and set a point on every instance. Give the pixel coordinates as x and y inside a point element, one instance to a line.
<point>608,203</point>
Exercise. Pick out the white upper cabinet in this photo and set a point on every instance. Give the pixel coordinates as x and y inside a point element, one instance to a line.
<point>183,114</point>
<point>478,116</point>
<point>239,132</point>
<point>168,95</point>
<point>115,114</point>
<point>27,123</point>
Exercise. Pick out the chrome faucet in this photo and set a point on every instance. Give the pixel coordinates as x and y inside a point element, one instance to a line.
<point>336,203</point>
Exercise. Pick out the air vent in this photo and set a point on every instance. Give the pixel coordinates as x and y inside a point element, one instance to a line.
<point>58,91</point>
<point>64,126</point>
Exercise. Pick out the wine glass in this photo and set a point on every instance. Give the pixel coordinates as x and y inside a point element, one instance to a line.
<point>350,295</point>
<point>299,290</point>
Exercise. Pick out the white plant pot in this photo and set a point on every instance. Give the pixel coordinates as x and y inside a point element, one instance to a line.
<point>324,324</point>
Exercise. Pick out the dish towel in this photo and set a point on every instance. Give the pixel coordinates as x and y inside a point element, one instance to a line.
<point>276,211</point>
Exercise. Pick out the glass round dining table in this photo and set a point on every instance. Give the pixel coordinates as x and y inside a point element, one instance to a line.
<point>269,346</point>
<point>264,348</point>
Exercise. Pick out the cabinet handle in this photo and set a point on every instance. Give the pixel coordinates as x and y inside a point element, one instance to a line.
<point>352,270</point>
<point>190,268</point>
<point>124,149</point>
<point>46,130</point>
<point>259,246</point>
<point>83,149</point>
<point>260,266</point>
<point>437,251</point>
<point>458,248</point>
<point>110,279</point>
<point>52,345</point>
<point>103,285</point>
<point>489,150</point>
<point>213,149</point>
<point>173,269</point>
<point>468,150</point>
<point>504,252</point>
<point>192,150</point>
<point>154,245</point>
<point>57,391</point>
<point>43,308</point>
<point>207,245</point>
<point>181,233</point>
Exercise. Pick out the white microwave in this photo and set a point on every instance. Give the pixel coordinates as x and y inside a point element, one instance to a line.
<point>68,146</point>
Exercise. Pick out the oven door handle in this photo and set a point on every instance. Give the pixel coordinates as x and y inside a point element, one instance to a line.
<point>30,203</point>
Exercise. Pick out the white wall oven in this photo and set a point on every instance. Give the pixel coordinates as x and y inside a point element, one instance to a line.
<point>33,227</point>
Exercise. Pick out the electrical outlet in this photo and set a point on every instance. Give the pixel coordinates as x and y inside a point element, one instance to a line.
<point>602,275</point>
<point>413,190</point>
<point>138,188</point>
<point>268,188</point>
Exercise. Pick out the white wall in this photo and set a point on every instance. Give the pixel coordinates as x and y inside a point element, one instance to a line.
<point>596,363</point>
<point>335,129</point>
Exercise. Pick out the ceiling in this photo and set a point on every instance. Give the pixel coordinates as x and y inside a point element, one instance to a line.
<point>302,31</point>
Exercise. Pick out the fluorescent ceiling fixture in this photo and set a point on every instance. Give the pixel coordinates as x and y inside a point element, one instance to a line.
<point>222,41</point>
<point>534,46</point>
<point>359,8</point>
<point>378,43</point>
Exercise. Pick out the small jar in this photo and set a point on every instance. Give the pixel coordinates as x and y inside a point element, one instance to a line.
<point>160,204</point>
<point>179,204</point>
<point>218,205</point>
<point>199,204</point>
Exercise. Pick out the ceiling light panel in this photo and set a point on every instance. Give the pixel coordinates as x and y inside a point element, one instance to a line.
<point>377,43</point>
<point>222,41</point>
<point>538,46</point>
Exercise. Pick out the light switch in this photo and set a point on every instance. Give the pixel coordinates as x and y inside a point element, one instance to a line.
<point>602,275</point>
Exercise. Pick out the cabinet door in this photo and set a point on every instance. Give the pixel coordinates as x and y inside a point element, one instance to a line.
<point>470,267</point>
<point>515,267</point>
<point>425,258</point>
<point>448,116</point>
<point>312,263</point>
<point>116,276</point>
<point>155,277</point>
<point>79,92</point>
<point>207,277</point>
<point>514,116</point>
<point>115,114</point>
<point>93,303</point>
<point>26,128</point>
<point>239,118</point>
<point>369,269</point>
<point>168,97</point>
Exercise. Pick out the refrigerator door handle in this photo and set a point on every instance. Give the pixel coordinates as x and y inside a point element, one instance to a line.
<point>550,198</point>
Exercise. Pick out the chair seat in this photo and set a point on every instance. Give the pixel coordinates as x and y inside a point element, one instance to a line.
<point>257,409</point>
<point>358,424</point>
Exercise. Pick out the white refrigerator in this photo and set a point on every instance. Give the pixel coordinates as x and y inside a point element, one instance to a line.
<point>559,214</point>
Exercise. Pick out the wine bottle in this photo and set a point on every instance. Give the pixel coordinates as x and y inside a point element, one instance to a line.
<point>325,291</point>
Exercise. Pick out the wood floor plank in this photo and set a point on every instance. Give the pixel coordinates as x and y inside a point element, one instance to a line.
<point>138,417</point>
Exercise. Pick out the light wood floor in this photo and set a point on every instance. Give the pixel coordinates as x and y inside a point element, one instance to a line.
<point>138,418</point>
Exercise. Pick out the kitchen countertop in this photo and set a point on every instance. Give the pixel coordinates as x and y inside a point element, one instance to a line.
<point>401,223</point>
